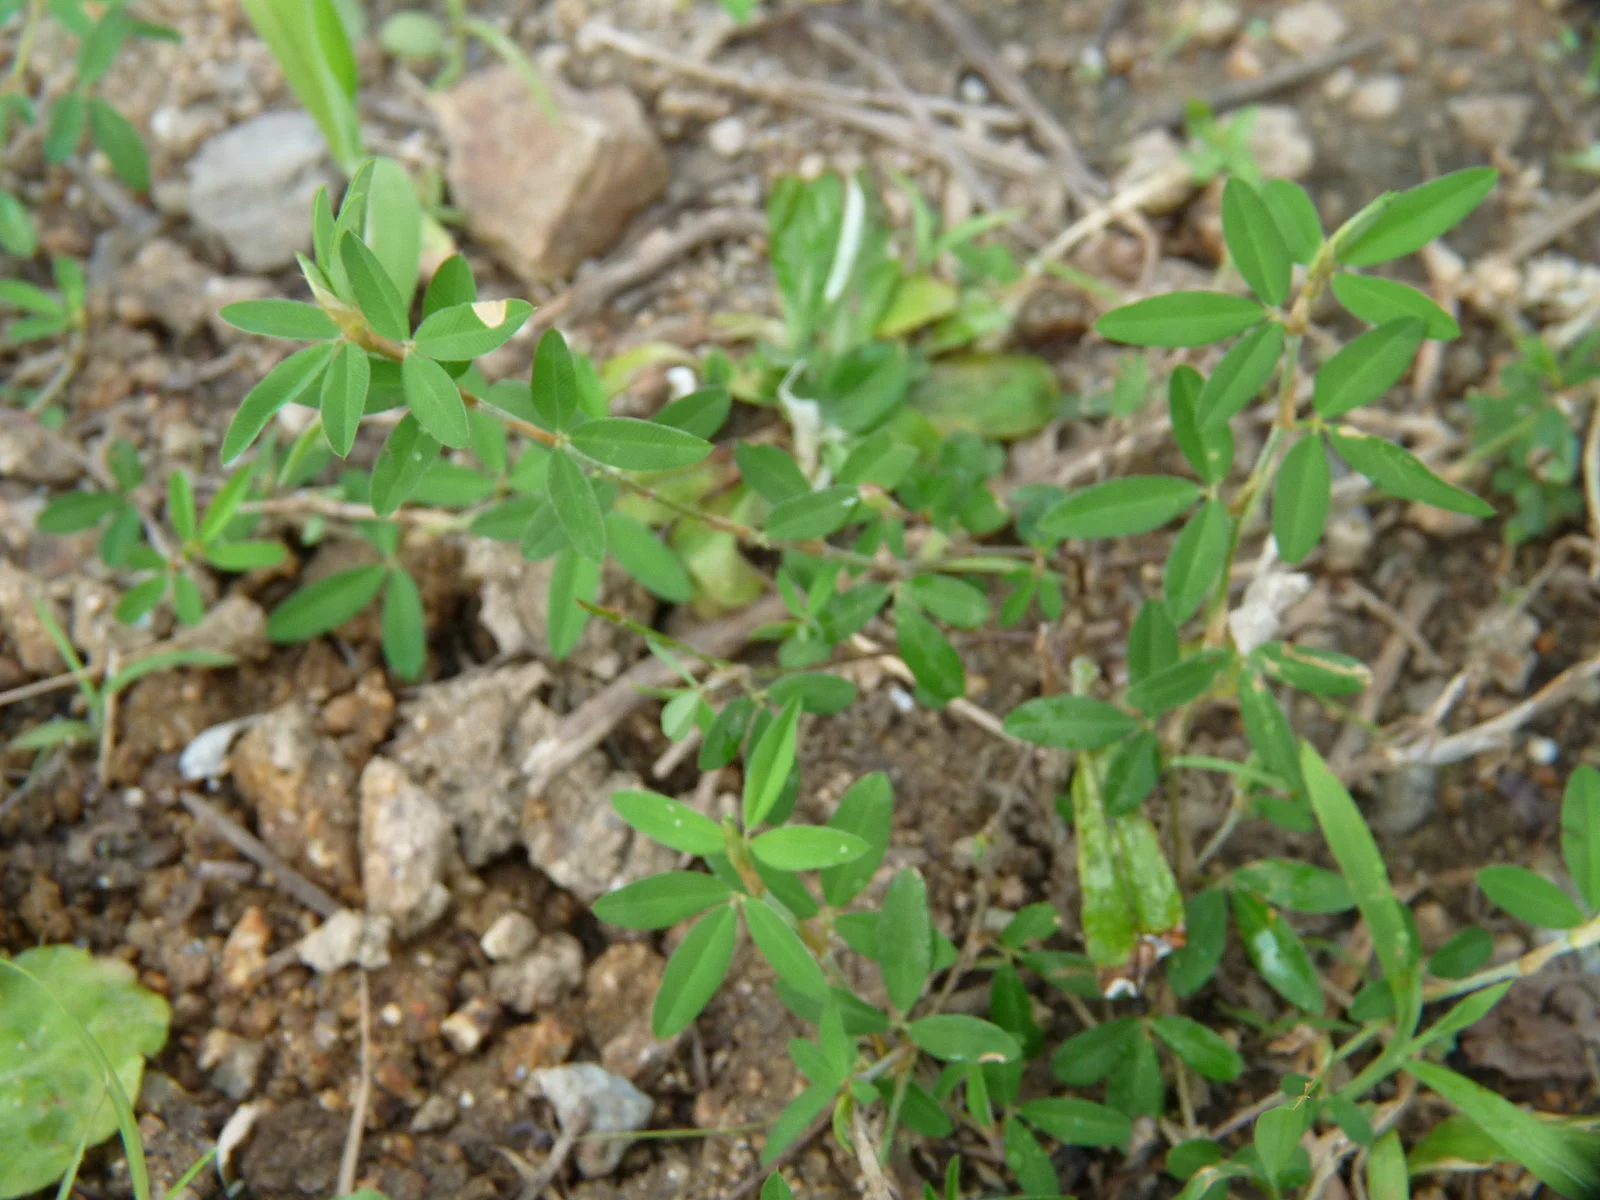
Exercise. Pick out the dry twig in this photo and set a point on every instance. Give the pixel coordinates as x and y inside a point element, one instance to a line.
<point>247,844</point>
<point>1248,91</point>
<point>351,1156</point>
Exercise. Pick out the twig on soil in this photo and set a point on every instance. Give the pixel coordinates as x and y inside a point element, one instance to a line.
<point>1496,732</point>
<point>351,1157</point>
<point>825,101</point>
<point>1122,207</point>
<point>874,1181</point>
<point>309,504</point>
<point>963,708</point>
<point>1084,185</point>
<point>592,722</point>
<point>1553,229</point>
<point>537,1180</point>
<point>795,1148</point>
<point>938,135</point>
<point>1247,91</point>
<point>1403,639</point>
<point>247,844</point>
<point>650,257</point>
<point>1570,941</point>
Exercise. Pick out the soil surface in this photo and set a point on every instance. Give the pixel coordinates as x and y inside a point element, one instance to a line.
<point>122,864</point>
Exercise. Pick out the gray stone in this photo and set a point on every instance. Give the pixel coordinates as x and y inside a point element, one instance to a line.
<point>1280,143</point>
<point>29,454</point>
<point>599,1102</point>
<point>234,1063</point>
<point>1493,122</point>
<point>574,835</point>
<point>1406,799</point>
<point>1215,23</point>
<point>1378,98</point>
<point>539,980</point>
<point>405,842</point>
<point>166,285</point>
<point>347,937</point>
<point>1308,28</point>
<point>252,186</point>
<point>511,936</point>
<point>548,195</point>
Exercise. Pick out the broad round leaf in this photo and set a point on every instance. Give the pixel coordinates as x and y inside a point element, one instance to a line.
<point>807,847</point>
<point>1379,301</point>
<point>1367,367</point>
<point>1180,319</point>
<point>326,604</point>
<point>694,973</point>
<point>1068,722</point>
<point>1122,507</point>
<point>1301,497</point>
<point>669,822</point>
<point>1255,242</point>
<point>1414,218</point>
<point>1529,897</point>
<point>955,1037</point>
<point>634,445</point>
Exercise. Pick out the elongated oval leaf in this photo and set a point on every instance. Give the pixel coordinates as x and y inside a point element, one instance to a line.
<point>119,141</point>
<point>1185,680</point>
<point>555,383</point>
<point>769,766</point>
<point>694,973</point>
<point>636,445</point>
<point>701,413</point>
<point>953,601</point>
<point>1367,367</point>
<point>405,637</point>
<point>771,471</point>
<point>904,939</point>
<point>814,514</point>
<point>817,691</point>
<point>1300,498</point>
<point>434,399</point>
<point>1415,217</point>
<point>1529,897</point>
<point>374,292</point>
<point>1180,319</point>
<point>1296,886</point>
<point>574,578</point>
<point>466,331</point>
<point>955,1037</point>
<point>77,511</point>
<point>647,558</point>
<point>344,396</point>
<point>669,822</point>
<point>1121,507</point>
<point>288,319</point>
<point>1277,953</point>
<point>1196,559</point>
<point>1379,301</point>
<point>1255,242</point>
<point>1077,1122</point>
<point>1240,376</point>
<point>407,454</point>
<point>286,382</point>
<point>326,604</point>
<point>807,847</point>
<point>1068,722</point>
<point>1296,217</point>
<point>1152,642</point>
<point>1397,471</point>
<point>865,810</point>
<point>934,662</point>
<point>782,948</point>
<point>1198,1046</point>
<point>1209,449</point>
<point>1580,833</point>
<point>1205,921</point>
<point>573,499</point>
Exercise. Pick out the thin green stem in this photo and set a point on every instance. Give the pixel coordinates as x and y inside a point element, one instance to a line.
<point>1579,938</point>
<point>30,31</point>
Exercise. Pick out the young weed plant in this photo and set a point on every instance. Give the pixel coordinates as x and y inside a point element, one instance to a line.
<point>883,511</point>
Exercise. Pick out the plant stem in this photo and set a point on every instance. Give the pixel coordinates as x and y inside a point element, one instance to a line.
<point>1579,938</point>
<point>30,30</point>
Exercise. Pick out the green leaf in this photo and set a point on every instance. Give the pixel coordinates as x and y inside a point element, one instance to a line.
<point>934,662</point>
<point>1397,471</point>
<point>575,578</point>
<point>701,413</point>
<point>776,1188</point>
<point>434,399</point>
<point>1136,1088</point>
<point>1078,1122</point>
<point>1300,498</point>
<point>1152,642</point>
<point>1277,953</point>
<point>76,511</point>
<point>289,319</point>
<point>1464,953</point>
<point>1296,886</point>
<point>647,558</point>
<point>904,939</point>
<point>817,691</point>
<point>1544,1149</point>
<point>1122,507</point>
<point>576,507</point>
<point>554,387</point>
<point>953,601</point>
<point>1386,1169</point>
<point>392,227</point>
<point>792,1121</point>
<point>1067,722</point>
<point>326,604</point>
<point>17,236</point>
<point>187,603</point>
<point>63,731</point>
<point>770,471</point>
<point>406,455</point>
<point>1132,772</point>
<point>309,42</point>
<point>813,514</point>
<point>1367,367</point>
<point>180,506</point>
<point>1529,897</point>
<point>769,765</point>
<point>64,126</point>
<point>1580,833</point>
<point>1210,449</point>
<point>878,460</point>
<point>634,445</point>
<point>141,598</point>
<point>120,143</point>
<point>1277,1137</point>
<point>286,382</point>
<point>865,810</point>
<point>1196,559</point>
<point>1185,680</point>
<point>1414,218</point>
<point>1205,920</point>
<point>1031,923</point>
<point>1239,377</point>
<point>781,946</point>
<point>807,847</point>
<point>694,973</point>
<point>344,396</point>
<point>1465,1013</point>
<point>245,556</point>
<point>661,900</point>
<point>1198,1046</point>
<point>417,36</point>
<point>1026,1159</point>
<point>405,638</point>
<point>466,331</point>
<point>452,284</point>
<point>1255,242</point>
<point>1380,301</point>
<point>669,822</point>
<point>1180,319</point>
<point>374,292</point>
<point>1362,864</point>
<point>1088,1057</point>
<point>1296,218</point>
<point>1321,672</point>
<point>28,298</point>
<point>1350,1117</point>
<point>1184,1159</point>
<point>955,1037</point>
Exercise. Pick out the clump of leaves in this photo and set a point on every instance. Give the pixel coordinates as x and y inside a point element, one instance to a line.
<point>76,1031</point>
<point>1529,427</point>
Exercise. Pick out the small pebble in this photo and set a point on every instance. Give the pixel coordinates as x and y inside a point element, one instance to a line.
<point>972,89</point>
<point>1214,24</point>
<point>1378,98</point>
<point>728,137</point>
<point>1543,750</point>
<point>511,936</point>
<point>1308,28</point>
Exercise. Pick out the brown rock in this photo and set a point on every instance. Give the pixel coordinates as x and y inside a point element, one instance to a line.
<point>524,1049</point>
<point>548,195</point>
<point>163,284</point>
<point>303,792</point>
<point>245,951</point>
<point>20,625</point>
<point>540,979</point>
<point>619,989</point>
<point>1494,122</point>
<point>405,842</point>
<point>1308,28</point>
